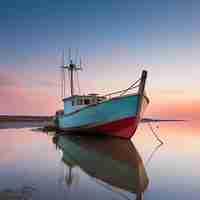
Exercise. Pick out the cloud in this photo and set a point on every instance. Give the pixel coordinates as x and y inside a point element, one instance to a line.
<point>11,79</point>
<point>25,101</point>
<point>27,96</point>
<point>7,79</point>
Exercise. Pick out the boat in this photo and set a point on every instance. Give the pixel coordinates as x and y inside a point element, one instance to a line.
<point>113,163</point>
<point>116,114</point>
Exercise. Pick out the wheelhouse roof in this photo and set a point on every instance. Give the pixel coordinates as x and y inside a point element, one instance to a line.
<point>80,96</point>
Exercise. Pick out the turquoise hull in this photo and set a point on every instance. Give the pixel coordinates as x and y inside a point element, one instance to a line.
<point>117,116</point>
<point>105,112</point>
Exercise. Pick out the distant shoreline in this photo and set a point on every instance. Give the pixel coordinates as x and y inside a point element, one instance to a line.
<point>29,118</point>
<point>24,118</point>
<point>144,120</point>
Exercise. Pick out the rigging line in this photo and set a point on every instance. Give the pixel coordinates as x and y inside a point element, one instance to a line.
<point>79,89</point>
<point>76,80</point>
<point>69,78</point>
<point>66,82</point>
<point>124,91</point>
<point>62,82</point>
<point>134,83</point>
<point>62,73</point>
<point>130,87</point>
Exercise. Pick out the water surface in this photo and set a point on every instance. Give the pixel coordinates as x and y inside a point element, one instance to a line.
<point>37,165</point>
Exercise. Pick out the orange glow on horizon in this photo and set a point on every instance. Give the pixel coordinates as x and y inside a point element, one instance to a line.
<point>16,98</point>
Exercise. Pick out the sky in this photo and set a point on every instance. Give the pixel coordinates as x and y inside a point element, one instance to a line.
<point>116,40</point>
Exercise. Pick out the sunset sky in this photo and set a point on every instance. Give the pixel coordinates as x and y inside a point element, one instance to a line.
<point>116,39</point>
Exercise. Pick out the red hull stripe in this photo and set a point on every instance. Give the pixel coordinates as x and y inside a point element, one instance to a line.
<point>122,128</point>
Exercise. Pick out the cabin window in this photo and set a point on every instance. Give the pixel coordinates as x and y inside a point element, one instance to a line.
<point>93,100</point>
<point>79,102</point>
<point>73,102</point>
<point>86,101</point>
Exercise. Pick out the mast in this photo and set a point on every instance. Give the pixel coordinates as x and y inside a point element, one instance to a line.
<point>71,67</point>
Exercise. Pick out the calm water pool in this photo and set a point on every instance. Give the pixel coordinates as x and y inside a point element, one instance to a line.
<point>37,165</point>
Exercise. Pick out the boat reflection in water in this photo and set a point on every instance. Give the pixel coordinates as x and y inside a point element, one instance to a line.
<point>112,162</point>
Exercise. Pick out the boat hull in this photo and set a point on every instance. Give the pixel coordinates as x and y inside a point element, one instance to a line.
<point>117,117</point>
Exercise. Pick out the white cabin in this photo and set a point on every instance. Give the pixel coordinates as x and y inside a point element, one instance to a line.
<point>77,102</point>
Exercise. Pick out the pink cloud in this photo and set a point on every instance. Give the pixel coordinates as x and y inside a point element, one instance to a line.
<point>18,100</point>
<point>17,97</point>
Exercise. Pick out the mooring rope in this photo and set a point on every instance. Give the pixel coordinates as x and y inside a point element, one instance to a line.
<point>154,133</point>
<point>152,154</point>
<point>157,146</point>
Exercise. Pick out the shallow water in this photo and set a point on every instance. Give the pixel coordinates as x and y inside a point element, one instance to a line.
<point>37,165</point>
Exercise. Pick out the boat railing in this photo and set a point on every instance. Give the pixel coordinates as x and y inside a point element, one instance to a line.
<point>123,92</point>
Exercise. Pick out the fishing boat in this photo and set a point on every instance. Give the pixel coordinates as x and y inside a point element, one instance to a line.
<point>116,114</point>
<point>113,163</point>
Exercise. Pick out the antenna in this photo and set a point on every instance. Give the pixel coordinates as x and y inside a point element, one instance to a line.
<point>76,56</point>
<point>80,64</point>
<point>70,59</point>
<point>71,67</point>
<point>64,69</point>
<point>63,74</point>
<point>63,57</point>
